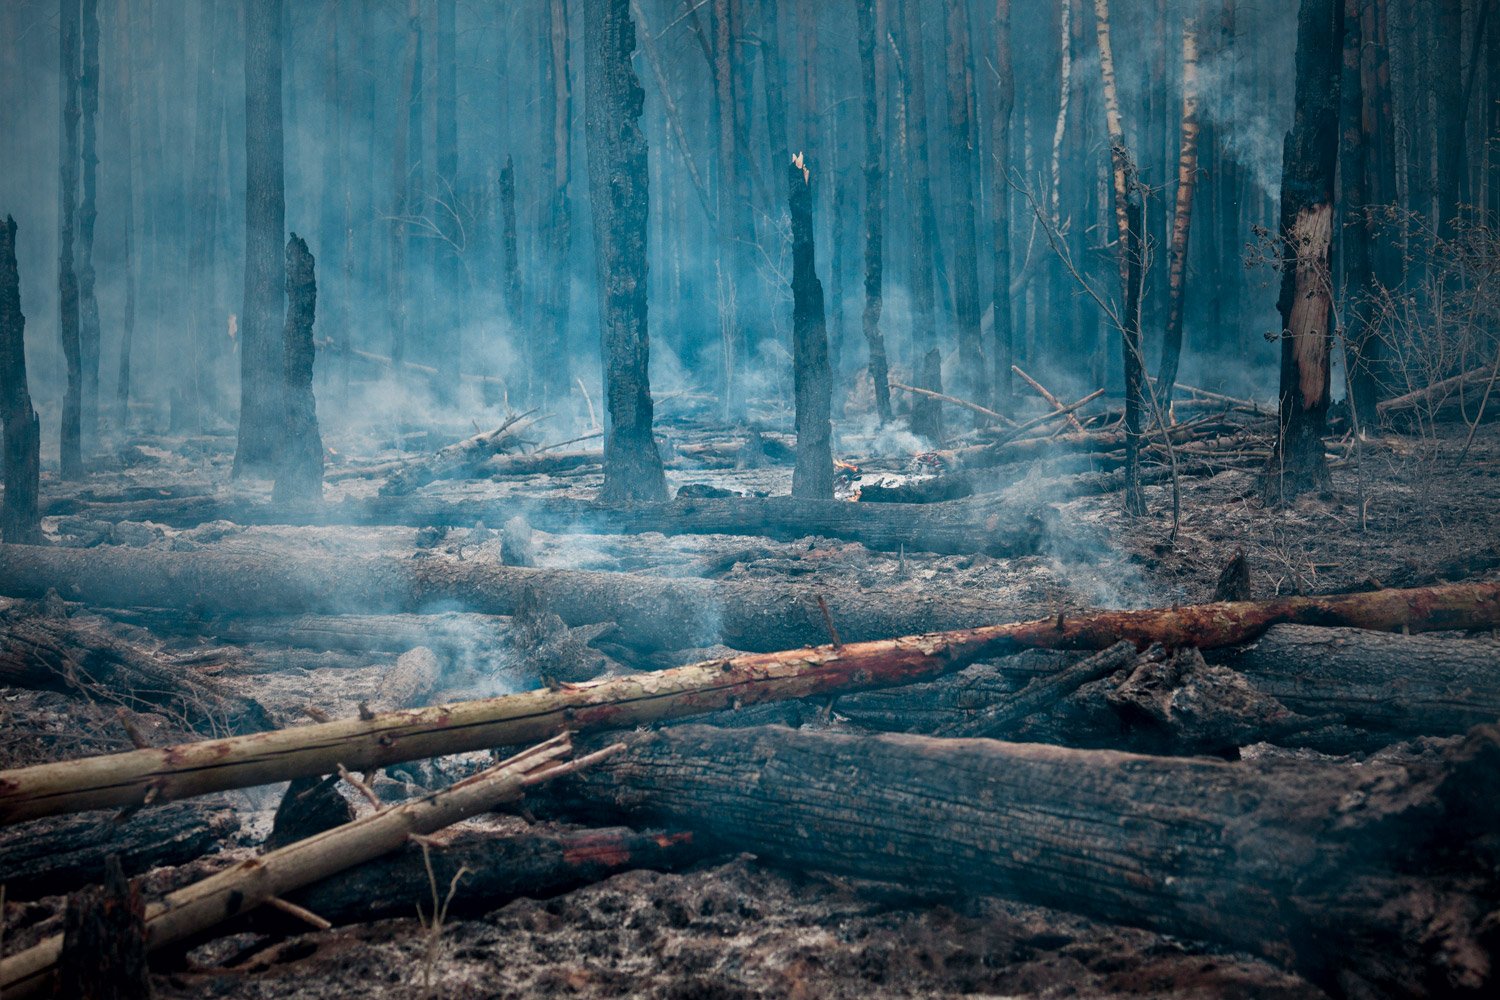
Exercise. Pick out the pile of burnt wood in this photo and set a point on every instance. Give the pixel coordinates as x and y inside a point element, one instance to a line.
<point>1310,779</point>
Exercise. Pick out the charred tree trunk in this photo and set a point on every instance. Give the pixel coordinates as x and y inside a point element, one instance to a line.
<point>922,214</point>
<point>1182,218</point>
<point>261,404</point>
<point>813,476</point>
<point>617,187</point>
<point>299,479</point>
<point>1309,164</point>
<point>512,261</point>
<point>1357,230</point>
<point>67,277</point>
<point>401,193</point>
<point>127,232</point>
<point>20,522</point>
<point>1134,356</point>
<point>88,214</point>
<point>1002,350</point>
<point>1448,92</point>
<point>559,219</point>
<point>104,941</point>
<point>1127,202</point>
<point>1373,878</point>
<point>871,63</point>
<point>975,383</point>
<point>452,290</point>
<point>926,412</point>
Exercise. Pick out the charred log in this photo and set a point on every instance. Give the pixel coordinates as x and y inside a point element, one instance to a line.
<point>52,856</point>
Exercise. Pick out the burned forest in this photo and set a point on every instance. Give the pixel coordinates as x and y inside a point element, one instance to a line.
<point>749,499</point>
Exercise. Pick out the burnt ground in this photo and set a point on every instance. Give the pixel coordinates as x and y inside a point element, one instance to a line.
<point>1404,511</point>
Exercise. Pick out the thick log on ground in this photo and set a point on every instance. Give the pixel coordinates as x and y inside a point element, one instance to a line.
<point>84,655</point>
<point>990,525</point>
<point>501,866</point>
<point>1371,880</point>
<point>160,775</point>
<point>54,856</point>
<point>1333,689</point>
<point>652,612</point>
<point>457,460</point>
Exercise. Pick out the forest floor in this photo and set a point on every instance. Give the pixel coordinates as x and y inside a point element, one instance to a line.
<point>1407,513</point>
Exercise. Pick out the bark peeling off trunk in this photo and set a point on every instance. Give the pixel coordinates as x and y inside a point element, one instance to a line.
<point>1364,879</point>
<point>1312,238</point>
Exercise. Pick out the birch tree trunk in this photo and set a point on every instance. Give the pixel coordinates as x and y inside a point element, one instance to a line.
<point>1182,217</point>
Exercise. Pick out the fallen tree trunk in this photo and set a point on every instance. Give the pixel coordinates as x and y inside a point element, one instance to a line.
<point>1338,690</point>
<point>652,612</point>
<point>500,866</point>
<point>82,655</point>
<point>268,878</point>
<point>1370,880</point>
<point>990,525</point>
<point>53,856</point>
<point>1440,400</point>
<point>456,460</point>
<point>151,775</point>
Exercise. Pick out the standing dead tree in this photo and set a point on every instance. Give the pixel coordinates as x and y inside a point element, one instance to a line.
<point>299,478</point>
<point>1002,350</point>
<point>617,184</point>
<point>974,377</point>
<point>67,277</point>
<point>1310,161</point>
<point>261,405</point>
<point>1131,251</point>
<point>871,63</point>
<point>813,476</point>
<point>1182,217</point>
<point>19,520</point>
<point>88,213</point>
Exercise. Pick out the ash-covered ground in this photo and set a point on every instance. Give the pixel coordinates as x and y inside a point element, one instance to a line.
<point>1404,511</point>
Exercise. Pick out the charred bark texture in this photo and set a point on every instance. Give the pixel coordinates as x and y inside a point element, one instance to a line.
<point>813,476</point>
<point>88,213</point>
<point>51,856</point>
<point>1310,161</point>
<point>1368,878</point>
<point>261,355</point>
<point>617,186</point>
<point>20,520</point>
<point>1002,350</point>
<point>299,479</point>
<point>104,942</point>
<point>975,382</point>
<point>871,63</point>
<point>70,441</point>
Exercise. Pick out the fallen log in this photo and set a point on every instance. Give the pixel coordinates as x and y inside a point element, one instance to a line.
<point>83,655</point>
<point>652,612</point>
<point>145,776</point>
<point>997,528</point>
<point>268,878</point>
<point>457,460</point>
<point>1440,399</point>
<point>500,865</point>
<point>54,856</point>
<point>1338,690</point>
<point>1372,881</point>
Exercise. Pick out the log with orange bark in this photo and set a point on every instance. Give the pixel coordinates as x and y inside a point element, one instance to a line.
<point>147,776</point>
